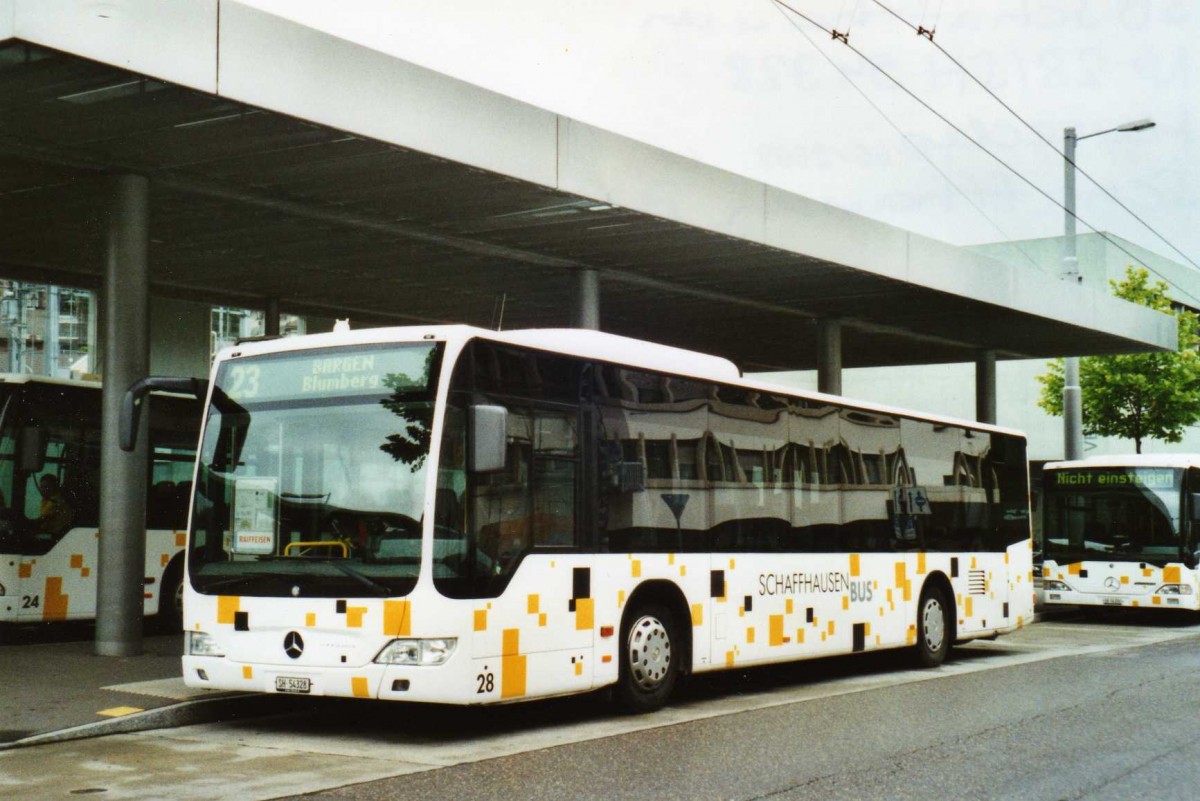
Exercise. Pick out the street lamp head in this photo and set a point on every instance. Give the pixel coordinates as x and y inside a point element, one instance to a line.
<point>1137,125</point>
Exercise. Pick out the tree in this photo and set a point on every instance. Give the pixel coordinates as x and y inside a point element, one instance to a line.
<point>1138,396</point>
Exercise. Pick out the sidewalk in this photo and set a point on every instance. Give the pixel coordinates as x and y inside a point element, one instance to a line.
<point>61,690</point>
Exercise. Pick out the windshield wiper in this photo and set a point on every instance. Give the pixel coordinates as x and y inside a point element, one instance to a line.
<point>360,578</point>
<point>242,577</point>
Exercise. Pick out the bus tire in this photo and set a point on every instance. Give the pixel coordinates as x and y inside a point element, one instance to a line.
<point>650,655</point>
<point>170,599</point>
<point>935,627</point>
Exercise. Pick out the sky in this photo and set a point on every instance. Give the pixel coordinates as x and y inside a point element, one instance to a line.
<point>749,87</point>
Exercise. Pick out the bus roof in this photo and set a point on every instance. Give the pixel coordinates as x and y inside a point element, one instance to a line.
<point>592,345</point>
<point>24,378</point>
<point>1130,460</point>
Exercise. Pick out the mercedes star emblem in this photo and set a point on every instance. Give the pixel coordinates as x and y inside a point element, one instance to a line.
<point>1112,584</point>
<point>293,644</point>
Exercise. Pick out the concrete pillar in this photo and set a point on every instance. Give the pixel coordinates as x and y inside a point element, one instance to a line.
<point>985,386</point>
<point>126,303</point>
<point>271,317</point>
<point>829,357</point>
<point>587,312</point>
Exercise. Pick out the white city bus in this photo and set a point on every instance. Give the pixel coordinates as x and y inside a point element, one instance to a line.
<point>1122,531</point>
<point>50,500</point>
<point>447,514</point>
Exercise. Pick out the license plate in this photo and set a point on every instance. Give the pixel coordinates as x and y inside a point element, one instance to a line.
<point>1113,602</point>
<point>292,684</point>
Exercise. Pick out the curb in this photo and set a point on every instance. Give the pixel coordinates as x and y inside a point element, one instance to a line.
<point>187,713</point>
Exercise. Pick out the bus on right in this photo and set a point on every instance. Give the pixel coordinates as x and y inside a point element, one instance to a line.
<point>1121,531</point>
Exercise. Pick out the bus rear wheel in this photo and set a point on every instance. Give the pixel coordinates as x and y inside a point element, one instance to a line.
<point>934,627</point>
<point>649,655</point>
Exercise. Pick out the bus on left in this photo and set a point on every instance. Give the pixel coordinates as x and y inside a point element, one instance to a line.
<point>50,500</point>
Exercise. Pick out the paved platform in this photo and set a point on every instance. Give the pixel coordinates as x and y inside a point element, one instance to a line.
<point>57,688</point>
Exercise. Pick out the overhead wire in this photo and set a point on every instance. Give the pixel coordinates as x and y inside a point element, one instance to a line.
<point>1035,132</point>
<point>924,104</point>
<point>962,193</point>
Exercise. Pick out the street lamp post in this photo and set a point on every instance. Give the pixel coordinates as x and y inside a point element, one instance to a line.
<point>1072,396</point>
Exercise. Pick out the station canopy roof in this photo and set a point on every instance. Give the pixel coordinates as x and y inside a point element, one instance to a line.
<point>351,183</point>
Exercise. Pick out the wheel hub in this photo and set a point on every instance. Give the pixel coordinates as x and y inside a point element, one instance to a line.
<point>933,623</point>
<point>649,652</point>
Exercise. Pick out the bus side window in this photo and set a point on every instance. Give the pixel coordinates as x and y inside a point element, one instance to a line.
<point>556,469</point>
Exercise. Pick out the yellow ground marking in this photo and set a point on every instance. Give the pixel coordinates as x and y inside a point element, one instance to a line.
<point>119,711</point>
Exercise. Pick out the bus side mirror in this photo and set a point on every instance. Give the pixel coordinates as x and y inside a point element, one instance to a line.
<point>31,449</point>
<point>131,403</point>
<point>488,435</point>
<point>1195,506</point>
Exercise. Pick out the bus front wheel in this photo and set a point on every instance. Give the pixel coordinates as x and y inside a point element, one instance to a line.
<point>649,659</point>
<point>934,627</point>
<point>170,599</point>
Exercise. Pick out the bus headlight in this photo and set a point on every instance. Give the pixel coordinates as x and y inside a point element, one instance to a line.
<point>200,643</point>
<point>417,652</point>
<point>1052,585</point>
<point>1174,589</point>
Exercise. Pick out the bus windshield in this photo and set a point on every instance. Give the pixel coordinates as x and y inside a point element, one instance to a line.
<point>1126,513</point>
<point>312,473</point>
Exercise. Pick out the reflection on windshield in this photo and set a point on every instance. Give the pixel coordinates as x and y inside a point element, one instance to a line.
<point>1128,514</point>
<point>309,493</point>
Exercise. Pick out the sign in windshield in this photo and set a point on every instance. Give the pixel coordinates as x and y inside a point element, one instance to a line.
<point>334,372</point>
<point>1115,477</point>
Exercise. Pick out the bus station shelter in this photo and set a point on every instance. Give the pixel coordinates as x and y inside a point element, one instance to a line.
<point>213,150</point>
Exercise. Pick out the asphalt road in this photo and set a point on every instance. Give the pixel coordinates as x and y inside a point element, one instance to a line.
<point>1099,708</point>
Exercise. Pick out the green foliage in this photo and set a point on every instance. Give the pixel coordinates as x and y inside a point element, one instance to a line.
<point>1141,396</point>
